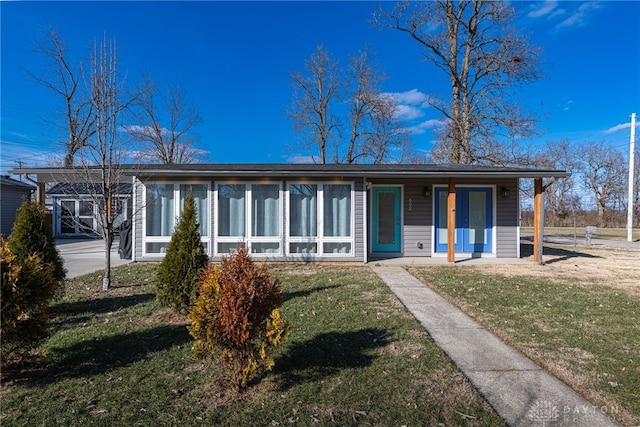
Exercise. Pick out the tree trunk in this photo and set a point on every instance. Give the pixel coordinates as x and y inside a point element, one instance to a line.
<point>106,278</point>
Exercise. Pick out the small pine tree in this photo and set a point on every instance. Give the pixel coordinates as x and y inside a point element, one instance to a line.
<point>179,272</point>
<point>31,235</point>
<point>237,317</point>
<point>28,284</point>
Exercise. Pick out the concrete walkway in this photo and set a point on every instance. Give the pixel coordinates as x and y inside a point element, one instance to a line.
<point>520,391</point>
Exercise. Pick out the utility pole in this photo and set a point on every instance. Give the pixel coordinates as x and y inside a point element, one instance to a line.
<point>632,143</point>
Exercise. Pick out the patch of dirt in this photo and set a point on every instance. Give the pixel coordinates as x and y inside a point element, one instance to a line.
<point>615,267</point>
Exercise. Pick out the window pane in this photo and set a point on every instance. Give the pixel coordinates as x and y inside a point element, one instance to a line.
<point>265,210</point>
<point>303,248</point>
<point>199,192</point>
<point>303,208</point>
<point>160,210</point>
<point>477,217</point>
<point>337,210</point>
<point>86,208</point>
<point>386,217</point>
<point>231,210</point>
<point>336,248</point>
<point>442,217</point>
<point>67,225</point>
<point>229,248</point>
<point>68,208</point>
<point>265,248</point>
<point>156,247</point>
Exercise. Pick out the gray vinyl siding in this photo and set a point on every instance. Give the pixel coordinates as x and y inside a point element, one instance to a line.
<point>10,200</point>
<point>417,221</point>
<point>507,220</point>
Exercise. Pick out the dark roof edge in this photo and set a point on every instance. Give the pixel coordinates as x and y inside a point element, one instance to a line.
<point>332,170</point>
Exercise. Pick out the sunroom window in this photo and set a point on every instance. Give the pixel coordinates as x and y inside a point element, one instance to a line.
<point>164,204</point>
<point>320,219</point>
<point>256,224</point>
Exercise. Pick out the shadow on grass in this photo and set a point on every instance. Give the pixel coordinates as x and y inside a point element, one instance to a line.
<point>526,250</point>
<point>302,294</point>
<point>99,355</point>
<point>327,354</point>
<point>100,305</point>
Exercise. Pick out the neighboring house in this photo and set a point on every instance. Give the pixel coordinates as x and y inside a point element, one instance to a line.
<point>333,212</point>
<point>12,194</point>
<point>75,213</point>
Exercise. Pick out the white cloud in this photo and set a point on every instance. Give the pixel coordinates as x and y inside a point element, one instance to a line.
<point>422,127</point>
<point>542,9</point>
<point>411,97</point>
<point>300,159</point>
<point>147,130</point>
<point>579,17</point>
<point>410,105</point>
<point>408,112</point>
<point>619,127</point>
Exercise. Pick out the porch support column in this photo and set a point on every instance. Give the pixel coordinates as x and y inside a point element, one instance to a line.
<point>451,221</point>
<point>41,194</point>
<point>537,221</point>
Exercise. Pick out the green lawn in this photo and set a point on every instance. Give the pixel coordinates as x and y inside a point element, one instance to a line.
<point>586,333</point>
<point>354,357</point>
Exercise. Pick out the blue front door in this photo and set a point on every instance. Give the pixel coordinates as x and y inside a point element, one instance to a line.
<point>385,219</point>
<point>474,220</point>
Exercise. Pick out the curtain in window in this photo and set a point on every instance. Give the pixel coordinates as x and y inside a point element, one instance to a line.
<point>160,209</point>
<point>199,192</point>
<point>303,208</point>
<point>265,210</point>
<point>337,210</point>
<point>231,210</point>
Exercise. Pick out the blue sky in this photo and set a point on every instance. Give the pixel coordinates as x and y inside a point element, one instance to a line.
<point>234,59</point>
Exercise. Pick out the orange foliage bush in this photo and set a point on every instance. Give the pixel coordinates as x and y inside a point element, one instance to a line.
<point>237,317</point>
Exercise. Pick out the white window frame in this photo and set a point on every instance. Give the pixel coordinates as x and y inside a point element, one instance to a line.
<point>77,218</point>
<point>206,240</point>
<point>248,240</point>
<point>320,239</point>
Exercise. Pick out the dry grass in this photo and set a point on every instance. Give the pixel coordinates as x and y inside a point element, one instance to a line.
<point>354,357</point>
<point>578,316</point>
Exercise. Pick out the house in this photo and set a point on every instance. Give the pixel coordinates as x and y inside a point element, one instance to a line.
<point>12,194</point>
<point>74,209</point>
<point>334,212</point>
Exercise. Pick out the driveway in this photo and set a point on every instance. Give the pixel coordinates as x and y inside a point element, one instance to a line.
<point>83,256</point>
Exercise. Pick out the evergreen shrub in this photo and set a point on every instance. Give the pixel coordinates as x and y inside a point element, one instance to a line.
<point>179,272</point>
<point>237,318</point>
<point>27,284</point>
<point>31,235</point>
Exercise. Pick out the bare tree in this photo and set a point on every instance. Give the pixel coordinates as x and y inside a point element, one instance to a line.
<point>604,173</point>
<point>374,130</point>
<point>101,162</point>
<point>65,79</point>
<point>314,91</point>
<point>343,114</point>
<point>474,43</point>
<point>560,197</point>
<point>165,122</point>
